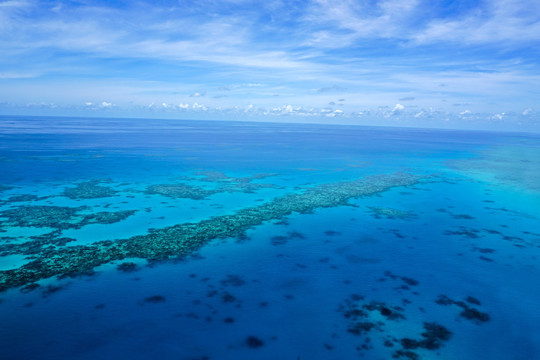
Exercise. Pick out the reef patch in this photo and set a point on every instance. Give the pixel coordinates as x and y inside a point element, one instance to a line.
<point>391,213</point>
<point>372,318</point>
<point>88,190</point>
<point>180,240</point>
<point>59,217</point>
<point>468,312</point>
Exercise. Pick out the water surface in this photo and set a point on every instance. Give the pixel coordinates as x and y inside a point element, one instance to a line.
<point>226,240</point>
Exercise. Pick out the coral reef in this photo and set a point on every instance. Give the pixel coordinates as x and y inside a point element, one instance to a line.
<point>366,317</point>
<point>432,338</point>
<point>224,184</point>
<point>218,176</point>
<point>253,342</point>
<point>467,312</point>
<point>127,266</point>
<point>505,164</point>
<point>60,217</point>
<point>155,299</point>
<point>390,213</point>
<point>282,240</point>
<point>407,280</point>
<point>89,190</point>
<point>38,244</point>
<point>182,239</point>
<point>23,197</point>
<point>179,191</point>
<point>104,217</point>
<point>233,280</point>
<point>5,187</point>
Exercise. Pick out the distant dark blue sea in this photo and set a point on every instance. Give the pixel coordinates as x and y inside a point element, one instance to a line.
<point>199,240</point>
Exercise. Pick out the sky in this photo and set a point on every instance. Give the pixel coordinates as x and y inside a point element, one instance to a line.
<point>429,63</point>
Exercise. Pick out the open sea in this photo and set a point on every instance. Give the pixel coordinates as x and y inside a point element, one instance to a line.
<point>198,240</point>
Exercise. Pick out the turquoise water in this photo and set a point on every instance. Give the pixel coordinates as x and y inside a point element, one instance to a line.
<point>225,240</point>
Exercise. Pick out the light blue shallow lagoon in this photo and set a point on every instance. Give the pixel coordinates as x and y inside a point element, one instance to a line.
<point>162,239</point>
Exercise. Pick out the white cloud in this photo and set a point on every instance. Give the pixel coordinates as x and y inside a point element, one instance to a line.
<point>230,53</point>
<point>498,116</point>
<point>398,107</point>
<point>200,107</point>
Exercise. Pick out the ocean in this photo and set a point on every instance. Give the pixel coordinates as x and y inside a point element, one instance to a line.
<point>197,240</point>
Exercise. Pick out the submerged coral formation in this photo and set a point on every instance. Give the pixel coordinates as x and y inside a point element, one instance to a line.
<point>253,342</point>
<point>89,190</point>
<point>468,312</point>
<point>432,338</point>
<point>506,165</point>
<point>41,216</point>
<point>218,176</point>
<point>127,266</point>
<point>36,245</point>
<point>5,187</point>
<point>224,184</point>
<point>22,198</point>
<point>390,213</point>
<point>60,217</point>
<point>179,191</point>
<point>364,317</point>
<point>183,239</point>
<point>104,217</point>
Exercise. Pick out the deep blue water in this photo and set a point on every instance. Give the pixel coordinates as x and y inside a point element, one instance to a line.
<point>444,268</point>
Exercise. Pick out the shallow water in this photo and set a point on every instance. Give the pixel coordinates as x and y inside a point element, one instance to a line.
<point>212,240</point>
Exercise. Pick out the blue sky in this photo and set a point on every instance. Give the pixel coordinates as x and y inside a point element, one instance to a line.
<point>462,64</point>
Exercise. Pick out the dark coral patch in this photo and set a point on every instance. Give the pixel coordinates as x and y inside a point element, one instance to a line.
<point>472,300</point>
<point>22,198</point>
<point>155,299</point>
<point>407,354</point>
<point>127,266</point>
<point>467,312</point>
<point>464,232</point>
<point>5,187</point>
<point>474,314</point>
<point>253,342</point>
<point>391,213</point>
<point>233,280</point>
<point>30,287</point>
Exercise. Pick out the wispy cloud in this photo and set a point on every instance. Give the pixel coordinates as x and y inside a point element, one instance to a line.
<point>17,75</point>
<point>283,57</point>
<point>418,21</point>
